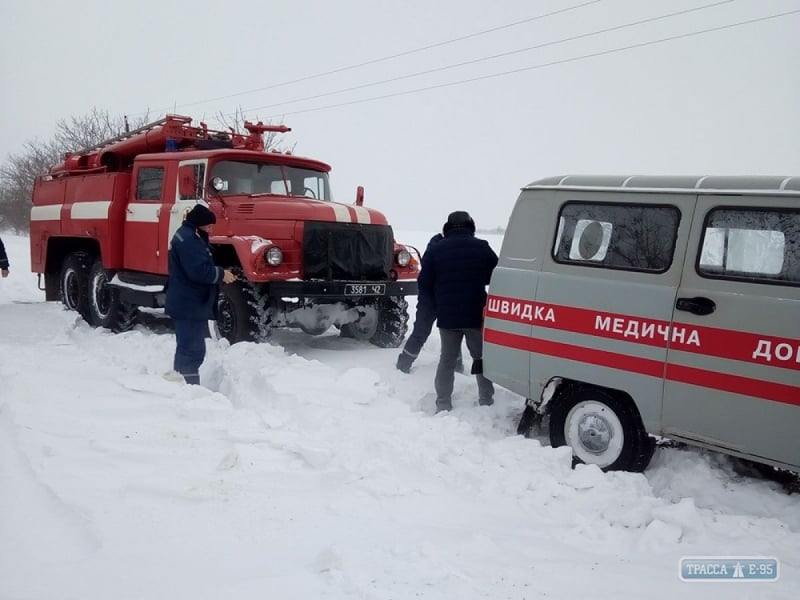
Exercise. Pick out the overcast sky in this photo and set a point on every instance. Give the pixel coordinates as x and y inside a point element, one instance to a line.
<point>721,102</point>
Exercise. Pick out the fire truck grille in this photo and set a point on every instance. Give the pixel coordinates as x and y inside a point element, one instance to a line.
<point>347,251</point>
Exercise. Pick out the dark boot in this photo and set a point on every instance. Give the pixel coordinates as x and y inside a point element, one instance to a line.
<point>443,404</point>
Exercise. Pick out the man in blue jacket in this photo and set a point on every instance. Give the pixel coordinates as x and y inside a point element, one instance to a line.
<point>455,273</point>
<point>192,290</point>
<point>423,323</point>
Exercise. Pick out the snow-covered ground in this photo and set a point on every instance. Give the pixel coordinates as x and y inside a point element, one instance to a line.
<point>311,468</point>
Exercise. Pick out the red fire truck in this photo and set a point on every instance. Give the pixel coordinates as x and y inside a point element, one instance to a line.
<point>102,221</point>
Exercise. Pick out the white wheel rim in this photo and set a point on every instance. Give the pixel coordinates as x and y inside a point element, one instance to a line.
<point>100,281</point>
<point>70,281</point>
<point>594,432</point>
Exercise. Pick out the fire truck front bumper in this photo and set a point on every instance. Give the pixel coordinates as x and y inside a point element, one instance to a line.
<point>341,290</point>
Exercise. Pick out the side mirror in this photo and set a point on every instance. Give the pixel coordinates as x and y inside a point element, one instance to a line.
<point>187,182</point>
<point>219,184</point>
<point>360,195</point>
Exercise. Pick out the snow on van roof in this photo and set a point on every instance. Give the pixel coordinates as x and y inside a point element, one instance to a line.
<point>712,184</point>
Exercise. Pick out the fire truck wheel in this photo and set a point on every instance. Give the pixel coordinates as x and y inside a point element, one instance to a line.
<point>105,307</point>
<point>603,429</point>
<point>242,314</point>
<point>392,322</point>
<point>74,283</point>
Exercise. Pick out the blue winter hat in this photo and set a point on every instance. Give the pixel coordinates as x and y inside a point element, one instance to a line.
<point>201,215</point>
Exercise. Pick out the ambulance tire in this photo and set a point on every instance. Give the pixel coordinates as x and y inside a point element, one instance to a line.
<point>73,283</point>
<point>106,309</point>
<point>602,427</point>
<point>242,313</point>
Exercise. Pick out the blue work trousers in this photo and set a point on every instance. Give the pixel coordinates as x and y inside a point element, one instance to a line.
<point>190,348</point>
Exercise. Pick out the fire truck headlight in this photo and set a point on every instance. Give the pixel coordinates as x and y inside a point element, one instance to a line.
<point>403,257</point>
<point>274,256</point>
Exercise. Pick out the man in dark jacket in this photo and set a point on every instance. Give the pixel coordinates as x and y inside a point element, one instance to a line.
<point>423,323</point>
<point>455,273</point>
<point>192,290</point>
<point>3,260</point>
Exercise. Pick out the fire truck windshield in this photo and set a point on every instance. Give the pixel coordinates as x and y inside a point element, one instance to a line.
<point>241,177</point>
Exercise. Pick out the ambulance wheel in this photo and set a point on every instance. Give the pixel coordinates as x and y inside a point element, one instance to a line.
<point>105,307</point>
<point>73,287</point>
<point>602,428</point>
<point>242,313</point>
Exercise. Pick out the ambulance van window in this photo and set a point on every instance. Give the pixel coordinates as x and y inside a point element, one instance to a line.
<point>751,244</point>
<point>617,236</point>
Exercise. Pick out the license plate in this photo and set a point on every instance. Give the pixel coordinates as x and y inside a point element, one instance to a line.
<point>364,289</point>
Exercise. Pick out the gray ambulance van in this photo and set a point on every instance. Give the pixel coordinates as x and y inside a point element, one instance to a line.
<point>628,306</point>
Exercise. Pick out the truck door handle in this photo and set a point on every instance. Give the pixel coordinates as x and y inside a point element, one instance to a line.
<point>698,305</point>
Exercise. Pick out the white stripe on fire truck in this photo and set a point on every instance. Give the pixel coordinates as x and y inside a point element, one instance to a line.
<point>143,212</point>
<point>362,214</point>
<point>90,210</point>
<point>341,213</point>
<point>47,212</point>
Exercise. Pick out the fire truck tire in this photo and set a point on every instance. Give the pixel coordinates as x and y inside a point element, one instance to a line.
<point>602,427</point>
<point>392,322</point>
<point>105,307</point>
<point>73,283</point>
<point>242,313</point>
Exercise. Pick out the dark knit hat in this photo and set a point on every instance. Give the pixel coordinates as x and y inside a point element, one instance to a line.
<point>201,215</point>
<point>459,218</point>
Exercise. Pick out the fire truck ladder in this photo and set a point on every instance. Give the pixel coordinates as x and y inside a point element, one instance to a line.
<point>181,120</point>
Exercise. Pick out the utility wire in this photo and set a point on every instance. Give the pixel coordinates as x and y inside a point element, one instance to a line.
<point>493,57</point>
<point>382,59</point>
<point>540,66</point>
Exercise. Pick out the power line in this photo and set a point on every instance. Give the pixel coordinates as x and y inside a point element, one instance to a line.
<point>382,59</point>
<point>493,57</point>
<point>543,65</point>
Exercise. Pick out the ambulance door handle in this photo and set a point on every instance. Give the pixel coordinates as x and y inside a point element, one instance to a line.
<point>698,305</point>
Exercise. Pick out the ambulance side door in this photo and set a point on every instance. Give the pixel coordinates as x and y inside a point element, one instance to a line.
<point>734,381</point>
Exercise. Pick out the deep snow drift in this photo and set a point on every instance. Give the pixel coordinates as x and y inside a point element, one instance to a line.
<point>311,468</point>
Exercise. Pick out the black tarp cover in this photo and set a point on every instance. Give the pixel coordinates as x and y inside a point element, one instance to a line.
<point>347,251</point>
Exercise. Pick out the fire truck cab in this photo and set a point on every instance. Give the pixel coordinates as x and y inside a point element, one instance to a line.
<point>102,221</point>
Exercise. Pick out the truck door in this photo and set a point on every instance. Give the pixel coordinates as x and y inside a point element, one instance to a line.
<point>142,240</point>
<point>188,186</point>
<point>738,385</point>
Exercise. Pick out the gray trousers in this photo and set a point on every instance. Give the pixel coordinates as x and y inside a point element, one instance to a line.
<point>445,372</point>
